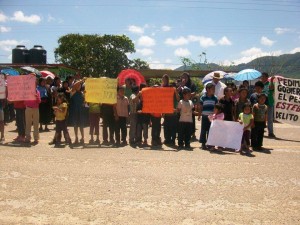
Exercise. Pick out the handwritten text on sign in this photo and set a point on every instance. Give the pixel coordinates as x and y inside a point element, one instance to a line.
<point>101,90</point>
<point>21,88</point>
<point>158,100</point>
<point>2,87</point>
<point>287,100</point>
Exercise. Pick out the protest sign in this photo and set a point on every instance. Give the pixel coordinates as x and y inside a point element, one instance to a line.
<point>2,87</point>
<point>158,100</point>
<point>21,88</point>
<point>287,100</point>
<point>225,134</point>
<point>101,90</point>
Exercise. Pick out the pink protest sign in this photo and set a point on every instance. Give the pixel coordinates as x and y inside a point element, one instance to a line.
<point>21,88</point>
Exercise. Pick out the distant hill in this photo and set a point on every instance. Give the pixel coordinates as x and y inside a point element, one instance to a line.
<point>287,65</point>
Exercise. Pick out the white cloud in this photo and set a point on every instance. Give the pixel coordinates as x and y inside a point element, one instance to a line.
<point>295,50</point>
<point>166,28</point>
<point>203,41</point>
<point>182,52</point>
<point>145,51</point>
<point>253,53</point>
<point>3,18</point>
<point>135,29</point>
<point>4,29</point>
<point>224,41</point>
<point>50,18</point>
<point>8,45</point>
<point>177,42</point>
<point>156,64</point>
<point>146,41</point>
<point>280,30</point>
<point>20,17</point>
<point>266,41</point>
<point>168,60</point>
<point>206,42</point>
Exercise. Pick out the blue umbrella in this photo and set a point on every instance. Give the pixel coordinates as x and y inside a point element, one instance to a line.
<point>10,71</point>
<point>247,74</point>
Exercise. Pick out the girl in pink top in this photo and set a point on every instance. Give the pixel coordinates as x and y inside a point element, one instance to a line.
<point>218,113</point>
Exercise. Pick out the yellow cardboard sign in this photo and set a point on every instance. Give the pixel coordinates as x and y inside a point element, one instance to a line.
<point>101,90</point>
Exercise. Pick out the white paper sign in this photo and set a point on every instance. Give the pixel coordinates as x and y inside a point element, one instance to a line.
<point>287,100</point>
<point>225,134</point>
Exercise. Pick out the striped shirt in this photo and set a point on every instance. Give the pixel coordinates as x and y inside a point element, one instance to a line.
<point>208,104</point>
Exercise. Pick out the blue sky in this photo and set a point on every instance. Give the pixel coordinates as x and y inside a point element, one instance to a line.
<point>228,31</point>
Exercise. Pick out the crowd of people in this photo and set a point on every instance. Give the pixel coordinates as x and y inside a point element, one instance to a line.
<point>64,104</point>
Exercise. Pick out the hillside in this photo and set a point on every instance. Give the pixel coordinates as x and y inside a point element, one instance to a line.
<point>287,65</point>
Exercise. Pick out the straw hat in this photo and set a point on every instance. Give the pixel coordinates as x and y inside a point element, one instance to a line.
<point>217,76</point>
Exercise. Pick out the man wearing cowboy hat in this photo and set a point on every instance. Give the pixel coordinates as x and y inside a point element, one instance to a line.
<point>219,86</point>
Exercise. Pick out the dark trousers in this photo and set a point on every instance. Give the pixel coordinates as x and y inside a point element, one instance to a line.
<point>246,137</point>
<point>120,125</point>
<point>170,127</point>
<point>156,128</point>
<point>9,113</point>
<point>20,121</point>
<point>94,119</point>
<point>108,123</point>
<point>205,125</point>
<point>185,130</point>
<point>61,126</point>
<point>257,134</point>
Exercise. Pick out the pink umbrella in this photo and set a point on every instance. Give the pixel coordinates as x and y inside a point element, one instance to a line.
<point>46,73</point>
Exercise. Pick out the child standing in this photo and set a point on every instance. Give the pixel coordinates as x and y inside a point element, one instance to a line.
<point>240,102</point>
<point>206,108</point>
<point>246,118</point>
<point>260,114</point>
<point>133,102</point>
<point>185,126</point>
<point>60,112</point>
<point>107,112</point>
<point>143,120</point>
<point>94,119</point>
<point>217,115</point>
<point>228,104</point>
<point>121,114</point>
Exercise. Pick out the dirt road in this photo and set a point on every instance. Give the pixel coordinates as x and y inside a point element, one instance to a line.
<point>101,185</point>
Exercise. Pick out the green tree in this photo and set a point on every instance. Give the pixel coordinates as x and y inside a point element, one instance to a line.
<point>139,64</point>
<point>95,55</point>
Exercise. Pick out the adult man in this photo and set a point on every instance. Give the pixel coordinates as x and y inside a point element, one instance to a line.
<point>269,91</point>
<point>219,86</point>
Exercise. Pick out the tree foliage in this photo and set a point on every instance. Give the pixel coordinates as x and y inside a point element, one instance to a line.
<point>95,55</point>
<point>139,64</point>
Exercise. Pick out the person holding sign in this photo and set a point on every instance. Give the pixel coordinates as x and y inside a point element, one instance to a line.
<point>32,116</point>
<point>269,91</point>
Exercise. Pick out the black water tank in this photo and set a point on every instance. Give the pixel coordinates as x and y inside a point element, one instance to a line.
<point>20,54</point>
<point>37,55</point>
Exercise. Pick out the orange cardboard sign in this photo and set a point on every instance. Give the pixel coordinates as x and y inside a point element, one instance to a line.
<point>158,100</point>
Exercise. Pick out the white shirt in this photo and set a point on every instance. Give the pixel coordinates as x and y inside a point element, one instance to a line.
<point>219,89</point>
<point>186,111</point>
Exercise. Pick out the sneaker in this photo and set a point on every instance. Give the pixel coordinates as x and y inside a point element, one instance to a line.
<point>97,142</point>
<point>91,141</point>
<point>81,141</point>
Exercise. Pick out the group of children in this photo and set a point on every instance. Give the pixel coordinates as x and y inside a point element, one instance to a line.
<point>70,109</point>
